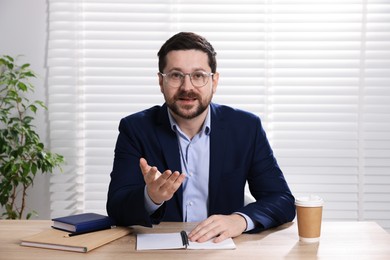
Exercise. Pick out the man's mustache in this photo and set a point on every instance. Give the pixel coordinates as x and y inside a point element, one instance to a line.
<point>187,95</point>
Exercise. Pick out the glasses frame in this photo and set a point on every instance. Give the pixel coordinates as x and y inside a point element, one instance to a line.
<point>209,74</point>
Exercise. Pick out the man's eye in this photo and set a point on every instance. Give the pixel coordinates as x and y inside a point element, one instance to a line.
<point>198,75</point>
<point>176,75</point>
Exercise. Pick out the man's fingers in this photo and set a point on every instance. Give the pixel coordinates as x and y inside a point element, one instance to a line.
<point>180,179</point>
<point>150,173</point>
<point>163,178</point>
<point>143,164</point>
<point>221,237</point>
<point>170,182</point>
<point>153,175</point>
<point>201,232</point>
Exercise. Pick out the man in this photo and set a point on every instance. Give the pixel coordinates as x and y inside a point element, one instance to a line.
<point>189,159</point>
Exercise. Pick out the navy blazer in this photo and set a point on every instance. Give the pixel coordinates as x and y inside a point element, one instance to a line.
<point>239,152</point>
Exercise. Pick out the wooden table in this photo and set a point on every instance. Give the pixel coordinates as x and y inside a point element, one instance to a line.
<point>339,240</point>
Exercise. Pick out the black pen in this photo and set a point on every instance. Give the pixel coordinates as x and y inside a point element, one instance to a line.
<point>184,238</point>
<point>85,232</point>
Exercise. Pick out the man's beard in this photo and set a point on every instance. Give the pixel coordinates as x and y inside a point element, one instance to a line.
<point>184,111</point>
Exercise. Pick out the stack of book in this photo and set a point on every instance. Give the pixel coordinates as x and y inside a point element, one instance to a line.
<point>79,233</point>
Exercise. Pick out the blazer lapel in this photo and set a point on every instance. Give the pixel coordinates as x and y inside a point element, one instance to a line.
<point>217,155</point>
<point>170,148</point>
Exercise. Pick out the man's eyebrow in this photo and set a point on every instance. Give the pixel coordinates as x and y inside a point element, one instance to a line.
<point>194,69</point>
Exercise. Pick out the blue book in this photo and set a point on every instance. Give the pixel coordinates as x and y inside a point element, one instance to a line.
<point>83,223</point>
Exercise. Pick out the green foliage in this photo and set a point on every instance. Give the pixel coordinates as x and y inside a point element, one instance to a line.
<point>22,154</point>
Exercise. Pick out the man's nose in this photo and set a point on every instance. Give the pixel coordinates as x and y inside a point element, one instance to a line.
<point>187,84</point>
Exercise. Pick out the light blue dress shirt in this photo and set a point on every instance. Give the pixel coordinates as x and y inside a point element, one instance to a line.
<point>195,161</point>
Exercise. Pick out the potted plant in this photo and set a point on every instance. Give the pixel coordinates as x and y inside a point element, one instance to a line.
<point>22,154</point>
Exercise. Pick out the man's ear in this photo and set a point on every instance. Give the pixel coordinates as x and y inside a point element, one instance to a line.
<point>215,78</point>
<point>160,81</point>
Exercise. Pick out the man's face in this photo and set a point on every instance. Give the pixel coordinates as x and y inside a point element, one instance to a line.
<point>186,101</point>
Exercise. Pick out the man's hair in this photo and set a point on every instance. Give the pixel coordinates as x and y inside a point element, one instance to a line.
<point>187,41</point>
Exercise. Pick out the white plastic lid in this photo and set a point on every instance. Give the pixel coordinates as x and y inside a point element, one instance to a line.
<point>309,201</point>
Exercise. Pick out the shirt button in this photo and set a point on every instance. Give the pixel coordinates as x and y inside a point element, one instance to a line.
<point>190,203</point>
<point>191,174</point>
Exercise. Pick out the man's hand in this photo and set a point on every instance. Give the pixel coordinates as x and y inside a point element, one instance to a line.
<point>219,226</point>
<point>160,186</point>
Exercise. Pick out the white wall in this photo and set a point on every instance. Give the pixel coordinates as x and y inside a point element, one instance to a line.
<point>23,31</point>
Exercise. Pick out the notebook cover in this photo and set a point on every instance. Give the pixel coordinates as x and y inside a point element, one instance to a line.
<point>57,239</point>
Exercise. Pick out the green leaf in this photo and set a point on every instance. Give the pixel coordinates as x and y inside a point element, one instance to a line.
<point>25,66</point>
<point>22,86</point>
<point>41,104</point>
<point>34,168</point>
<point>30,74</point>
<point>9,58</point>
<point>10,66</point>
<point>33,108</point>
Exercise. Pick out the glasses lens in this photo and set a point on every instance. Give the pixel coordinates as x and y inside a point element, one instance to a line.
<point>199,78</point>
<point>174,79</point>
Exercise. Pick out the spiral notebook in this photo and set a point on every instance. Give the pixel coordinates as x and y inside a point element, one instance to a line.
<point>165,241</point>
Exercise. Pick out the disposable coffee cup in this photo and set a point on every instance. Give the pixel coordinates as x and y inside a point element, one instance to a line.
<point>309,215</point>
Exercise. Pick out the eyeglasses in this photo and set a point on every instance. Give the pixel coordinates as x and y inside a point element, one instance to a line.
<point>175,79</point>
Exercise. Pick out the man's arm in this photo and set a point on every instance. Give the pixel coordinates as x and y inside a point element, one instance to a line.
<point>131,176</point>
<point>274,203</point>
<point>253,162</point>
<point>125,202</point>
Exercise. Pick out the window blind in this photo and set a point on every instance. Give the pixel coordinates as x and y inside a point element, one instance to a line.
<point>316,72</point>
<point>375,115</point>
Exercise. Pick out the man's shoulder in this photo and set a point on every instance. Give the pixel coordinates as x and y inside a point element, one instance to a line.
<point>151,112</point>
<point>146,119</point>
<point>228,112</point>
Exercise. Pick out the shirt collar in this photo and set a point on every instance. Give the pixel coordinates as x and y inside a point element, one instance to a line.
<point>206,128</point>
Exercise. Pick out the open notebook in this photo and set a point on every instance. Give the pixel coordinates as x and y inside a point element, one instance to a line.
<point>178,240</point>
